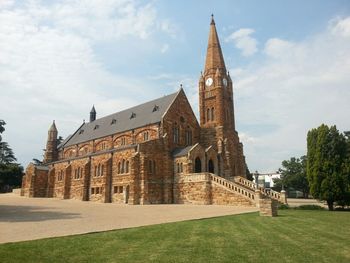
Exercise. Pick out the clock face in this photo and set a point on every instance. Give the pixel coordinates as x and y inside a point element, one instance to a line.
<point>209,81</point>
<point>225,82</point>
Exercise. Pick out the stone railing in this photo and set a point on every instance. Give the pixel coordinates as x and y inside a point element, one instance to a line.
<point>280,197</point>
<point>243,181</point>
<point>272,194</point>
<point>232,186</point>
<point>192,177</point>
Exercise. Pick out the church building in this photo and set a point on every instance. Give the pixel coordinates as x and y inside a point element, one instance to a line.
<point>153,153</point>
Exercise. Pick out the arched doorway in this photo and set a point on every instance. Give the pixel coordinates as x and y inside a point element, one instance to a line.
<point>197,165</point>
<point>211,166</point>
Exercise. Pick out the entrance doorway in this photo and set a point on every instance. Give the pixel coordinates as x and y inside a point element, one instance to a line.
<point>198,165</point>
<point>211,166</point>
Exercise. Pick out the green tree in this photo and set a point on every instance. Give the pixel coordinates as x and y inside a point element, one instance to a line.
<point>10,172</point>
<point>326,165</point>
<point>293,175</point>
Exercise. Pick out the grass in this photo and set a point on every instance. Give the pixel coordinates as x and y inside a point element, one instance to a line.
<point>293,236</point>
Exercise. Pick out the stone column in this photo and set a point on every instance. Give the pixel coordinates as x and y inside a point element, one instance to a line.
<point>257,197</point>
<point>268,207</point>
<point>284,197</point>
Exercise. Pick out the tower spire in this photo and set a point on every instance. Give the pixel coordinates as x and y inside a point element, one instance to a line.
<point>214,57</point>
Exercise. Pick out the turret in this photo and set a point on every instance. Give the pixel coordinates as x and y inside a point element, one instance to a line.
<point>92,114</point>
<point>51,152</point>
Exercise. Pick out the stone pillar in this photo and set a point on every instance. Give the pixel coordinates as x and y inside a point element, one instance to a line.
<point>257,197</point>
<point>268,207</point>
<point>284,197</point>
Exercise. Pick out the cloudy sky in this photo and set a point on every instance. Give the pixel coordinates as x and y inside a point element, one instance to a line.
<point>290,62</point>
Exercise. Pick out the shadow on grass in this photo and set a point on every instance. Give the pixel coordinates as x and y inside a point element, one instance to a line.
<point>11,213</point>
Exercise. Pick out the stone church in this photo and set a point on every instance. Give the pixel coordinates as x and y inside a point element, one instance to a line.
<point>153,153</point>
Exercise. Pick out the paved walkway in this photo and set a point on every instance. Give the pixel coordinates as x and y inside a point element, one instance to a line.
<point>24,218</point>
<point>293,202</point>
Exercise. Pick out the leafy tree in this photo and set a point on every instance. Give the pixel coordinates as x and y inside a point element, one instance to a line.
<point>293,175</point>
<point>10,172</point>
<point>327,165</point>
<point>10,176</point>
<point>6,154</point>
<point>248,174</point>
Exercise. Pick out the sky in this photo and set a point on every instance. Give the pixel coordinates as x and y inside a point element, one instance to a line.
<point>289,61</point>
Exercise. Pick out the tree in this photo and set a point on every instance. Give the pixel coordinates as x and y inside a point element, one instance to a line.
<point>327,165</point>
<point>293,175</point>
<point>10,172</point>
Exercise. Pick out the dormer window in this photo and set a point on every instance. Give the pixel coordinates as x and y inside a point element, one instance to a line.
<point>96,127</point>
<point>81,131</point>
<point>155,108</point>
<point>114,121</point>
<point>133,115</point>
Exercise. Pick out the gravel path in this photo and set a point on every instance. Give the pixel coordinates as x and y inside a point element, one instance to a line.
<point>24,218</point>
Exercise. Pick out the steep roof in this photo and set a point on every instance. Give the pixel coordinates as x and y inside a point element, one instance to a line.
<point>214,59</point>
<point>182,151</point>
<point>144,114</point>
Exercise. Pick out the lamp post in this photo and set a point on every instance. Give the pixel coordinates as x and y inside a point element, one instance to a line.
<point>256,176</point>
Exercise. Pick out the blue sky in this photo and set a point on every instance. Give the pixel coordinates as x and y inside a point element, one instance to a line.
<point>290,63</point>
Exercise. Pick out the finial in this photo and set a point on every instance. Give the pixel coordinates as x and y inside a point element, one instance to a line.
<point>83,120</point>
<point>180,85</point>
<point>212,20</point>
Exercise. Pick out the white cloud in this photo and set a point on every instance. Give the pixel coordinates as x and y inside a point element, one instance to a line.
<point>244,41</point>
<point>49,68</point>
<point>341,26</point>
<point>298,86</point>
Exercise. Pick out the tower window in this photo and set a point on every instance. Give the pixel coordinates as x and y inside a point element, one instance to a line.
<point>208,115</point>
<point>114,121</point>
<point>133,115</point>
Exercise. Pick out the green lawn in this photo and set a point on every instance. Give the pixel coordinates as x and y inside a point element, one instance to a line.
<point>293,236</point>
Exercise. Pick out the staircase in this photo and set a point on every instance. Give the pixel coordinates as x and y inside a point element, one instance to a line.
<point>280,197</point>
<point>248,189</point>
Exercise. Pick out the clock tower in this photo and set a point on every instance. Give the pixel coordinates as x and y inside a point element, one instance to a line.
<point>216,110</point>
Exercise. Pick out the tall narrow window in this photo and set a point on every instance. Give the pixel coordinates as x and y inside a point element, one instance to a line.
<point>189,137</point>
<point>208,115</point>
<point>145,136</point>
<point>176,133</point>
<point>119,168</point>
<point>212,114</point>
<point>123,166</point>
<point>127,167</point>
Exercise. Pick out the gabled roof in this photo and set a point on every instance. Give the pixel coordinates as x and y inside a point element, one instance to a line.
<point>182,151</point>
<point>144,114</point>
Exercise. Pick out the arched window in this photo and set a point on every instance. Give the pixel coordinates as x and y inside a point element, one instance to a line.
<point>145,136</point>
<point>95,170</point>
<point>119,168</point>
<point>127,167</point>
<point>176,133</point>
<point>102,167</point>
<point>208,115</point>
<point>99,170</point>
<point>178,167</point>
<point>189,137</point>
<point>123,166</point>
<point>181,168</point>
<point>212,114</point>
<point>197,165</point>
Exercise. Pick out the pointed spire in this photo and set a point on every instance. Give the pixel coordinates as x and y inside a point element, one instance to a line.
<point>92,114</point>
<point>53,126</point>
<point>214,57</point>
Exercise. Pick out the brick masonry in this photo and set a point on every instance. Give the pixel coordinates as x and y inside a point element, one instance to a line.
<point>138,167</point>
